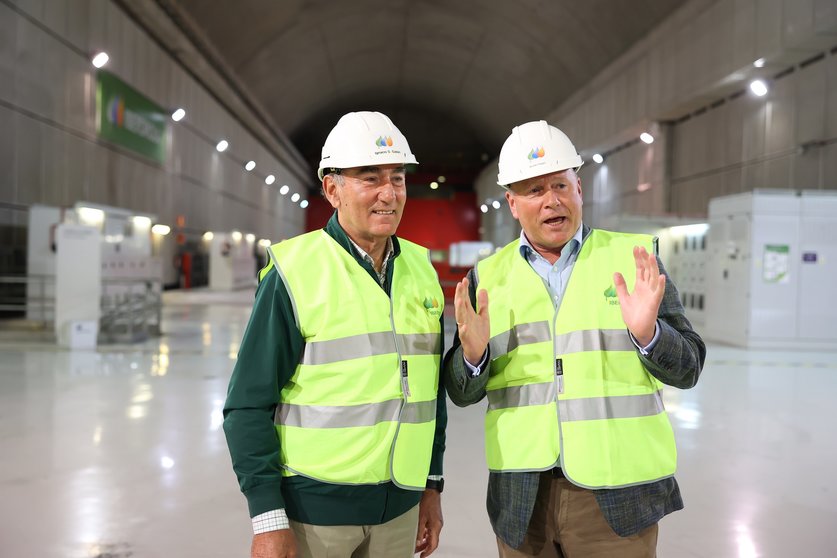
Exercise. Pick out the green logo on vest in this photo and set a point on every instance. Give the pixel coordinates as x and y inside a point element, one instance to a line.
<point>610,296</point>
<point>432,306</point>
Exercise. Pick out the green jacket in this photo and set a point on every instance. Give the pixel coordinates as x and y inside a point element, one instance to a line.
<point>267,358</point>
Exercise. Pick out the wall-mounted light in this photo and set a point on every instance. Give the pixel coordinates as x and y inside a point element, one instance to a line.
<point>269,179</point>
<point>284,189</point>
<point>141,221</point>
<point>303,204</point>
<point>597,158</point>
<point>178,115</point>
<point>495,204</point>
<point>646,138</point>
<point>100,59</point>
<point>91,215</point>
<point>295,197</point>
<point>250,166</point>
<point>434,185</point>
<point>441,179</point>
<point>484,208</point>
<point>161,229</point>
<point>222,146</point>
<point>758,87</point>
<point>690,230</point>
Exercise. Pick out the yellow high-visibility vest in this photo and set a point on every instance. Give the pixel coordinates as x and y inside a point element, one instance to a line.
<point>360,407</point>
<point>567,387</point>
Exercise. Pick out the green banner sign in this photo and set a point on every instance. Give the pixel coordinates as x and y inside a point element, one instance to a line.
<point>128,118</point>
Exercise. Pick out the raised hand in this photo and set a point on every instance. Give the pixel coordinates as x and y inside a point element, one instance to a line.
<point>474,327</point>
<point>639,308</point>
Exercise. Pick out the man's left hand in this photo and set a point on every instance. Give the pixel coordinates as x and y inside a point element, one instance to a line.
<point>430,522</point>
<point>640,308</point>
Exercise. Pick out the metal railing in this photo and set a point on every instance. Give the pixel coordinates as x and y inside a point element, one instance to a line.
<point>33,296</point>
<point>131,308</point>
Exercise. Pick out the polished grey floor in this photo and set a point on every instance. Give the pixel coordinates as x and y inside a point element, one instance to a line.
<point>120,452</point>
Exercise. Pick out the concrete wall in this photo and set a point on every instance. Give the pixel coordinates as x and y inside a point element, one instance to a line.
<point>50,154</point>
<point>683,82</point>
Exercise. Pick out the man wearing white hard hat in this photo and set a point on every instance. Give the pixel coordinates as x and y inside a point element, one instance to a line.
<point>582,331</point>
<point>335,417</point>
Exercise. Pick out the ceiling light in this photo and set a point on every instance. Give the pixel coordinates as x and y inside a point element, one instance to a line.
<point>236,236</point>
<point>101,59</point>
<point>250,237</point>
<point>264,242</point>
<point>250,165</point>
<point>208,235</point>
<point>295,197</point>
<point>495,204</point>
<point>284,189</point>
<point>222,146</point>
<point>441,179</point>
<point>303,204</point>
<point>646,137</point>
<point>178,115</point>
<point>759,63</point>
<point>269,179</point>
<point>758,87</point>
<point>434,185</point>
<point>160,229</point>
<point>598,158</point>
<point>484,208</point>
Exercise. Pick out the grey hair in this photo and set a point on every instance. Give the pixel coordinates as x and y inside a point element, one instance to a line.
<point>337,178</point>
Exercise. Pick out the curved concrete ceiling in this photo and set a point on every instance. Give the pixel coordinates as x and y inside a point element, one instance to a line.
<point>455,76</point>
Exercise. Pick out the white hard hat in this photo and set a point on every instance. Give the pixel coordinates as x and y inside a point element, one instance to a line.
<point>363,139</point>
<point>534,149</point>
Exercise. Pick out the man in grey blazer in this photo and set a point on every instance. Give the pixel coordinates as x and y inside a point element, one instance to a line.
<point>578,443</point>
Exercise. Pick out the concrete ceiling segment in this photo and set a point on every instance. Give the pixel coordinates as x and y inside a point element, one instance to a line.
<point>474,67</point>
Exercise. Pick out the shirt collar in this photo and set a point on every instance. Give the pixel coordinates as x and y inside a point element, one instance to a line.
<point>529,252</point>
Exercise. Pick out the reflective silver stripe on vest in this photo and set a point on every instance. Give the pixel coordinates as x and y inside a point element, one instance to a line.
<point>345,416</point>
<point>588,408</point>
<point>521,334</point>
<point>593,340</point>
<point>337,416</point>
<point>416,413</point>
<point>567,343</point>
<point>369,344</point>
<point>418,344</point>
<point>620,406</point>
<point>521,396</point>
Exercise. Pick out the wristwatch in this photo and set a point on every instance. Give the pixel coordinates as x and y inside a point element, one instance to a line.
<point>435,484</point>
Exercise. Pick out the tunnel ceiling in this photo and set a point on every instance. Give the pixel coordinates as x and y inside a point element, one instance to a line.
<point>455,76</point>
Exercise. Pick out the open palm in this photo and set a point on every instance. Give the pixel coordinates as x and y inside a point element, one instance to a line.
<point>640,308</point>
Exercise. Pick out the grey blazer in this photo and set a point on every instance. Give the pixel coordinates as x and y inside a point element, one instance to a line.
<point>676,360</point>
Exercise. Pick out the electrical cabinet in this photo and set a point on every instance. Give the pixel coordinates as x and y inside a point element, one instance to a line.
<point>771,267</point>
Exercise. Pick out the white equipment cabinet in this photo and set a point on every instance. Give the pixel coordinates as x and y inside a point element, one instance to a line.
<point>772,268</point>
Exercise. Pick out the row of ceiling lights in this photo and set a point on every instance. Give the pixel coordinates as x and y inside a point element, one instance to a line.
<point>100,59</point>
<point>758,87</point>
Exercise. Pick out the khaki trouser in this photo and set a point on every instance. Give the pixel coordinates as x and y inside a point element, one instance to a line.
<point>568,523</point>
<point>394,539</point>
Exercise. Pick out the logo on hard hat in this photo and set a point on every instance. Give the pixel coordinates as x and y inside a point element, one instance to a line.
<point>384,141</point>
<point>536,153</point>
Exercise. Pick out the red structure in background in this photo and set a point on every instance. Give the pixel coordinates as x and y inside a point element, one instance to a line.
<point>433,223</point>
